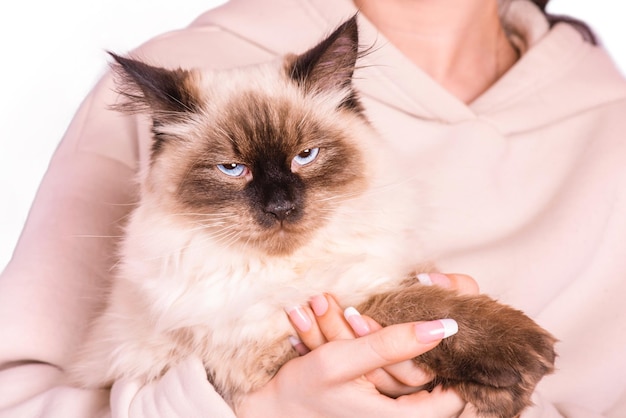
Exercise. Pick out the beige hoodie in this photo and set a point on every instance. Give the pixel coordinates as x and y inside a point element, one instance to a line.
<point>526,189</point>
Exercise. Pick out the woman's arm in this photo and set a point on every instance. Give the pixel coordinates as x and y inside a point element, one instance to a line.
<point>54,281</point>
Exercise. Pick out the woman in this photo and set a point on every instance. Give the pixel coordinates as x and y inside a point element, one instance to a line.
<point>516,128</point>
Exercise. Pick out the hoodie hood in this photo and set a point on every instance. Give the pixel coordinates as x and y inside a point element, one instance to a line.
<point>559,74</point>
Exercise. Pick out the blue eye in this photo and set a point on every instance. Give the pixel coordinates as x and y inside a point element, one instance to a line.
<point>233,169</point>
<point>307,156</point>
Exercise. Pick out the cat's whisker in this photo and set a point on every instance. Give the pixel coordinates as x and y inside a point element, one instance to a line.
<point>303,119</point>
<point>202,214</point>
<point>387,221</point>
<point>114,266</point>
<point>131,204</point>
<point>365,210</point>
<point>213,231</point>
<point>225,134</point>
<point>96,236</point>
<point>372,228</point>
<point>234,239</point>
<point>178,101</point>
<point>216,219</point>
<point>247,243</point>
<point>372,190</point>
<point>227,239</point>
<point>343,197</point>
<point>195,244</point>
<point>225,232</point>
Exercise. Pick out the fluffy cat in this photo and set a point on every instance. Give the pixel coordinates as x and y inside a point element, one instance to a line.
<point>267,186</point>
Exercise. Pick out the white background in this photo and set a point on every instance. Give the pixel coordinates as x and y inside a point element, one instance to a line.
<point>51,54</point>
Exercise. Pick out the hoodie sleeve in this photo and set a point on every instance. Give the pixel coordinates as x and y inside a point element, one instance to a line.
<point>52,285</point>
<point>182,392</point>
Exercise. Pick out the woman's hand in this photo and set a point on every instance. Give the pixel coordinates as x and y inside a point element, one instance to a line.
<point>340,375</point>
<point>330,381</point>
<point>325,321</point>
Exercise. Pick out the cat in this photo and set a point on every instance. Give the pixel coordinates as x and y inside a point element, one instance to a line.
<point>266,186</point>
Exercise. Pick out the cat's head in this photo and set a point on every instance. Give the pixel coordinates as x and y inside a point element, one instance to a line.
<point>261,156</point>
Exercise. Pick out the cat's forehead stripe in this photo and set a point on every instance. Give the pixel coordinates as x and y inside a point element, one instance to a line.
<point>256,122</point>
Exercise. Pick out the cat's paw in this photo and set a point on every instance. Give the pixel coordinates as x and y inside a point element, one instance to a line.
<point>496,359</point>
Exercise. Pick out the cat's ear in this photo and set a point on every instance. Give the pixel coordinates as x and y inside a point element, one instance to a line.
<point>167,94</point>
<point>329,65</point>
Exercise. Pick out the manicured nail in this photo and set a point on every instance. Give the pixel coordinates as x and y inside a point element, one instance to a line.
<point>356,321</point>
<point>299,318</point>
<point>298,345</point>
<point>319,304</point>
<point>428,332</point>
<point>438,279</point>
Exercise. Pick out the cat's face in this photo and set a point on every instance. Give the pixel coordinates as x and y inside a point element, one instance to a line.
<point>258,157</point>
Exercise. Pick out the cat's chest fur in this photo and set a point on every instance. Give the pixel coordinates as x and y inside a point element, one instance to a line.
<point>225,304</point>
<point>191,279</point>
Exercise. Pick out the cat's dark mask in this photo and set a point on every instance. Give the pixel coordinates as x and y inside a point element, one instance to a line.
<point>259,155</point>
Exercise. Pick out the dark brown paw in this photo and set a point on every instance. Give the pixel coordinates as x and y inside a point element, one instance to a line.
<point>496,359</point>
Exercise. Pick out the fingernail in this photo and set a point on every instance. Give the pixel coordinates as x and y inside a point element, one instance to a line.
<point>298,345</point>
<point>319,304</point>
<point>356,321</point>
<point>299,318</point>
<point>438,279</point>
<point>428,332</point>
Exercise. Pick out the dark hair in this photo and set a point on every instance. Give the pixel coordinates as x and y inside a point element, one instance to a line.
<point>581,26</point>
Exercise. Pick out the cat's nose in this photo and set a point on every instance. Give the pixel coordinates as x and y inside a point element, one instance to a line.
<point>281,210</point>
